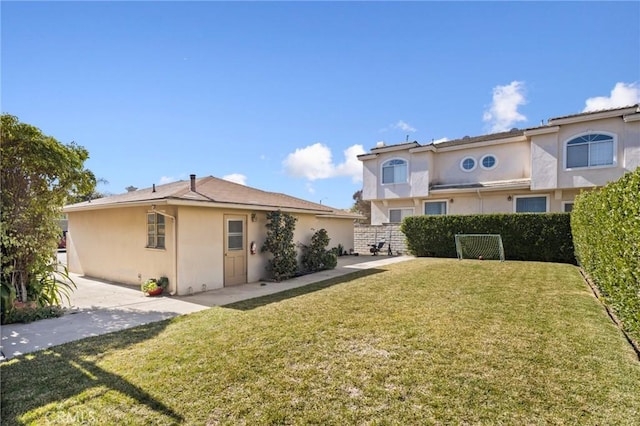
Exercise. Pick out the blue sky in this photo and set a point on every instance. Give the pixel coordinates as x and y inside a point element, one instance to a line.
<point>282,96</point>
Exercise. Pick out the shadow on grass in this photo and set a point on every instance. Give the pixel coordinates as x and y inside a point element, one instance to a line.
<point>247,305</point>
<point>27,387</point>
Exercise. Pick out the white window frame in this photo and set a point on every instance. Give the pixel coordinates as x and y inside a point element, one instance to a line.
<point>614,162</point>
<point>565,204</point>
<point>402,216</point>
<point>494,164</point>
<point>446,206</point>
<point>154,230</point>
<point>406,162</point>
<point>517,197</point>
<point>468,157</point>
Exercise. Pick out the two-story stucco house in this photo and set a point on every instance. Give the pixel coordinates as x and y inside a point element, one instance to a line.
<point>539,169</point>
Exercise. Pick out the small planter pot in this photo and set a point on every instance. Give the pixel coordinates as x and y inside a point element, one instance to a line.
<point>155,292</point>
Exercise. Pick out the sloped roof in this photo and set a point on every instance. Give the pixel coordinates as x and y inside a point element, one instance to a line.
<point>583,114</point>
<point>211,191</point>
<point>482,138</point>
<point>498,136</point>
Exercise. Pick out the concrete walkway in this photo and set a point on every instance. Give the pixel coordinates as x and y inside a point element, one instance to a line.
<point>99,307</point>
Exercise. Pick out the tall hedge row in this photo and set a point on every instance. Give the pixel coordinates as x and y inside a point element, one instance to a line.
<point>606,231</point>
<point>536,237</point>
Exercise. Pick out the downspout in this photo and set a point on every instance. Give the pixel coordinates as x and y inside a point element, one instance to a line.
<point>481,201</point>
<point>175,252</point>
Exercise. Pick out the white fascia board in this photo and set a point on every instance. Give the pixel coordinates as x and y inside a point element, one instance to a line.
<point>631,117</point>
<point>341,216</point>
<point>542,131</point>
<point>97,206</point>
<point>594,116</point>
<point>400,147</point>
<point>237,206</point>
<point>364,157</point>
<point>429,148</point>
<point>518,185</point>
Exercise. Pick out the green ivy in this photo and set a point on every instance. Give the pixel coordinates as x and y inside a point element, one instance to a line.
<point>606,230</point>
<point>315,256</point>
<point>283,263</point>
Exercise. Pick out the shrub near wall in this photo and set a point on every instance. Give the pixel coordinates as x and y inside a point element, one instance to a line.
<point>537,237</point>
<point>606,229</point>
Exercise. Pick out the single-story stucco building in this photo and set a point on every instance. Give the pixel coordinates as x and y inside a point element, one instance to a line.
<point>202,234</point>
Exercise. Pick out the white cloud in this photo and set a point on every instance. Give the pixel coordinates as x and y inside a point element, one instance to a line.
<point>440,140</point>
<point>236,178</point>
<point>311,162</point>
<point>167,179</point>
<point>400,125</point>
<point>503,113</point>
<point>351,166</point>
<point>404,126</point>
<point>622,95</point>
<point>316,162</point>
<point>310,188</point>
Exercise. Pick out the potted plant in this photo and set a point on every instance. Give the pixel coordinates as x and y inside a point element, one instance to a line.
<point>154,287</point>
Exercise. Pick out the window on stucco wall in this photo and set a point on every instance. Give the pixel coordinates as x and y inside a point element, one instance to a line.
<point>531,204</point>
<point>435,207</point>
<point>396,215</point>
<point>394,171</point>
<point>155,230</point>
<point>590,150</point>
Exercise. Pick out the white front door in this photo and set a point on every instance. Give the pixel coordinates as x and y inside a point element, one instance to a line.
<point>235,250</point>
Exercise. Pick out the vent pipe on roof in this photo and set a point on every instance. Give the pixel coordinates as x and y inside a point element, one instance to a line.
<point>154,188</point>
<point>193,183</point>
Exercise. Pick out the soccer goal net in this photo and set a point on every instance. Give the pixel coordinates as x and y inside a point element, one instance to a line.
<point>479,246</point>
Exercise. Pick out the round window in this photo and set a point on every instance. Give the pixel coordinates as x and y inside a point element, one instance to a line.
<point>468,164</point>
<point>488,162</point>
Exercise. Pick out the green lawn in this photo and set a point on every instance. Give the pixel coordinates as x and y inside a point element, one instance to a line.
<point>429,341</point>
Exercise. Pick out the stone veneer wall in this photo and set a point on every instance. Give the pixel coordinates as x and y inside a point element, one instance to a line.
<point>365,235</point>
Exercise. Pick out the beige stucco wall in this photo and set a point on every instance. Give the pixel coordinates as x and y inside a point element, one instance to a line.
<point>485,202</point>
<point>110,244</point>
<point>200,249</point>
<point>627,152</point>
<point>545,164</point>
<point>340,231</point>
<point>512,163</point>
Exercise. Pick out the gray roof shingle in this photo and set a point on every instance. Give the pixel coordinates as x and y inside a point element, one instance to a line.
<point>211,190</point>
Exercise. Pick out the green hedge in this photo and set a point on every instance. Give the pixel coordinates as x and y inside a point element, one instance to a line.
<point>535,236</point>
<point>606,229</point>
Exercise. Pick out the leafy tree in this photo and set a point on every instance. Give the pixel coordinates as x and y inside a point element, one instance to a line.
<point>39,175</point>
<point>86,196</point>
<point>361,206</point>
<point>279,243</point>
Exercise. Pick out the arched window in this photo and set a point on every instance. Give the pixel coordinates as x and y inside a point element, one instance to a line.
<point>394,171</point>
<point>590,150</point>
